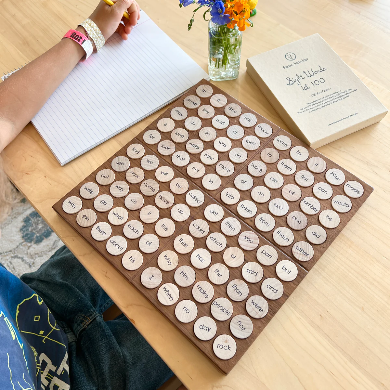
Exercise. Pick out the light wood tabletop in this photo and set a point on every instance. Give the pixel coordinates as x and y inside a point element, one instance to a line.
<point>333,332</point>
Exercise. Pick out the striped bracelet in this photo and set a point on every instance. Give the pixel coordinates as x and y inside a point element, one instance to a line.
<point>94,33</point>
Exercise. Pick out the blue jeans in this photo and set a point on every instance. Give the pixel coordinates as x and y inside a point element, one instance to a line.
<point>109,355</point>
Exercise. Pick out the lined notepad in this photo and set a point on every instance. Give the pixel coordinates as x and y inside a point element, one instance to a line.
<point>121,85</point>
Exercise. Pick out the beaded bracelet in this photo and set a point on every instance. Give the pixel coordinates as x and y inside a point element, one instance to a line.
<point>94,33</point>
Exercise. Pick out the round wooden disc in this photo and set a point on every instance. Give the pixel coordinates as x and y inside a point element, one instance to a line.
<point>272,288</point>
<point>265,222</point>
<point>199,228</point>
<point>261,194</point>
<point>103,203</point>
<point>200,258</point>
<point>168,260</point>
<point>278,207</point>
<point>221,309</point>
<point>179,185</point>
<point>250,142</point>
<point>179,135</point>
<point>86,218</point>
<point>322,190</point>
<point>206,111</point>
<point>303,251</point>
<point>237,290</point>
<point>164,227</point>
<point>209,157</point>
<point>316,164</point>
<point>207,134</point>
<point>353,189</point>
<point>132,260</point>
<point>118,216</point>
<point>256,306</point>
<point>204,91</point>
<point>196,170</point>
<point>341,203</point>
<point>241,326</point>
<point>164,174</point>
<point>299,153</point>
<point>192,101</point>
<point>149,214</point>
<point>235,132</point>
<point>205,328</point>
<point>165,125</point>
<point>195,198</point>
<point>216,242</point>
<point>218,273</point>
<point>316,234</point>
<point>257,168</point>
<point>269,155</point>
<point>286,270</point>
<point>165,148</point>
<point>283,236</point>
<point>230,196</point>
<point>194,146</point>
<point>224,168</point>
<point>133,229</point>
<point>297,220</point>
<point>304,178</point>
<point>238,155</point>
<point>211,182</point>
<point>222,144</point>
<point>179,113</point>
<point>263,130</point>
<point>248,119</point>
<point>213,212</point>
<point>149,243</point>
<point>180,158</point>
<point>291,192</point>
<point>151,277</point>
<point>220,122</point>
<point>282,142</point>
<point>134,201</point>
<point>252,272</point>
<point>150,162</point>
<point>164,200</point>
<point>72,205</point>
<point>116,245</point>
<point>119,189</point>
<point>89,190</point>
<point>149,187</point>
<point>168,294</point>
<point>135,151</point>
<point>185,276</point>
<point>243,182</point>
<point>180,212</point>
<point>186,311</point>
<point>233,110</point>
<point>233,257</point>
<point>329,218</point>
<point>267,255</point>
<point>335,176</point>
<point>105,177</point>
<point>101,231</point>
<point>287,166</point>
<point>247,209</point>
<point>135,175</point>
<point>248,240</point>
<point>120,164</point>
<point>310,205</point>
<point>224,347</point>
<point>273,180</point>
<point>230,226</point>
<point>193,123</point>
<point>218,100</point>
<point>183,244</point>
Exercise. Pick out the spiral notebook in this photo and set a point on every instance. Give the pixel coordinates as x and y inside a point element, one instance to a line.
<point>126,82</point>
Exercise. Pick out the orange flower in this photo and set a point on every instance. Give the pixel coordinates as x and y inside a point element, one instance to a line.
<point>239,11</point>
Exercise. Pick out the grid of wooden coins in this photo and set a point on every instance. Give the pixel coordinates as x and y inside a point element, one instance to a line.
<point>215,214</point>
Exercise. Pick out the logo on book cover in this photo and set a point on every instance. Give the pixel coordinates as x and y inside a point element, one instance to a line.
<point>290,56</point>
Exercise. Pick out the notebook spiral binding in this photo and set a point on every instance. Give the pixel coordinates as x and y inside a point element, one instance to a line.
<point>6,75</point>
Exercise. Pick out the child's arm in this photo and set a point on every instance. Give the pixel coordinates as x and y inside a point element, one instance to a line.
<point>26,91</point>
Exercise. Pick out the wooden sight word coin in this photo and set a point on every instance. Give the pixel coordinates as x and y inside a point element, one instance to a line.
<point>286,270</point>
<point>263,130</point>
<point>86,218</point>
<point>103,203</point>
<point>222,144</point>
<point>193,123</point>
<point>119,189</point>
<point>179,185</point>
<point>248,240</point>
<point>265,222</point>
<point>224,347</point>
<point>168,294</point>
<point>186,311</point>
<point>120,164</point>
<point>256,306</point>
<point>180,212</point>
<point>278,207</point>
<point>184,276</point>
<point>238,155</point>
<point>149,243</point>
<point>152,137</point>
<point>209,157</point>
<point>168,260</point>
<point>118,216</point>
<point>329,218</point>
<point>316,164</point>
<point>230,226</point>
<point>164,200</point>
<point>220,122</point>
<point>195,198</point>
<point>164,174</point>
<point>235,132</point>
<point>206,111</point>
<point>316,234</point>
<point>237,290</point>
<point>180,158</point>
<point>322,190</point>
<point>196,170</point>
<point>257,168</point>
<point>211,182</point>
<point>248,119</point>
<point>269,155</point>
<point>230,196</point>
<point>341,203</point>
<point>72,205</point>
<point>299,153</point>
<point>233,110</point>
<point>199,228</point>
<point>273,180</point>
<point>310,205</point>
<point>353,189</point>
<point>250,142</point>
<point>204,91</point>
<point>135,151</point>
<point>183,244</point>
<point>283,236</point>
<point>132,260</point>
<point>335,176</point>
<point>203,292</point>
<point>164,227</point>
<point>218,273</point>
<point>267,255</point>
<point>286,166</point>
<point>291,192</point>
<point>133,229</point>
<point>165,148</point>
<point>179,135</point>
<point>224,168</point>
<point>282,142</point>
<point>297,220</point>
<point>179,113</point>
<point>233,257</point>
<point>205,328</point>
<point>200,258</point>
<point>252,272</point>
<point>218,100</point>
<point>105,177</point>
<point>116,245</point>
<point>149,187</point>
<point>304,178</point>
<point>165,125</point>
<point>247,209</point>
<point>150,162</point>
<point>207,134</point>
<point>194,146</point>
<point>192,101</point>
<point>89,190</point>
<point>135,175</point>
<point>261,194</point>
<point>101,231</point>
<point>149,214</point>
<point>302,251</point>
<point>241,326</point>
<point>243,182</point>
<point>213,212</point>
<point>272,288</point>
<point>221,309</point>
<point>216,242</point>
<point>134,201</point>
<point>151,277</point>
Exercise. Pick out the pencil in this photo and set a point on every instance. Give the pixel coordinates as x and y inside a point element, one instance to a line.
<point>109,2</point>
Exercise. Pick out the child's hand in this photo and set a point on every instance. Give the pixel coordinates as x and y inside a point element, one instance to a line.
<point>108,18</point>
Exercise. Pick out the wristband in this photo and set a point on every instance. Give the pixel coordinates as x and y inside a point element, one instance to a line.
<point>94,33</point>
<point>82,40</point>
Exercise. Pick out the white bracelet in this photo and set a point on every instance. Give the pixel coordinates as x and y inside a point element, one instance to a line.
<point>94,33</point>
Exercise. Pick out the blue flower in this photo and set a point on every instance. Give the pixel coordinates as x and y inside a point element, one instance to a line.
<point>35,229</point>
<point>217,13</point>
<point>185,3</point>
<point>209,3</point>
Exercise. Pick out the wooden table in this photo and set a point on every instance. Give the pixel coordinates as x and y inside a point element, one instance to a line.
<point>333,333</point>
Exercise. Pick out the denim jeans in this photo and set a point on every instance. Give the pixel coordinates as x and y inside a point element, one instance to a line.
<point>109,355</point>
